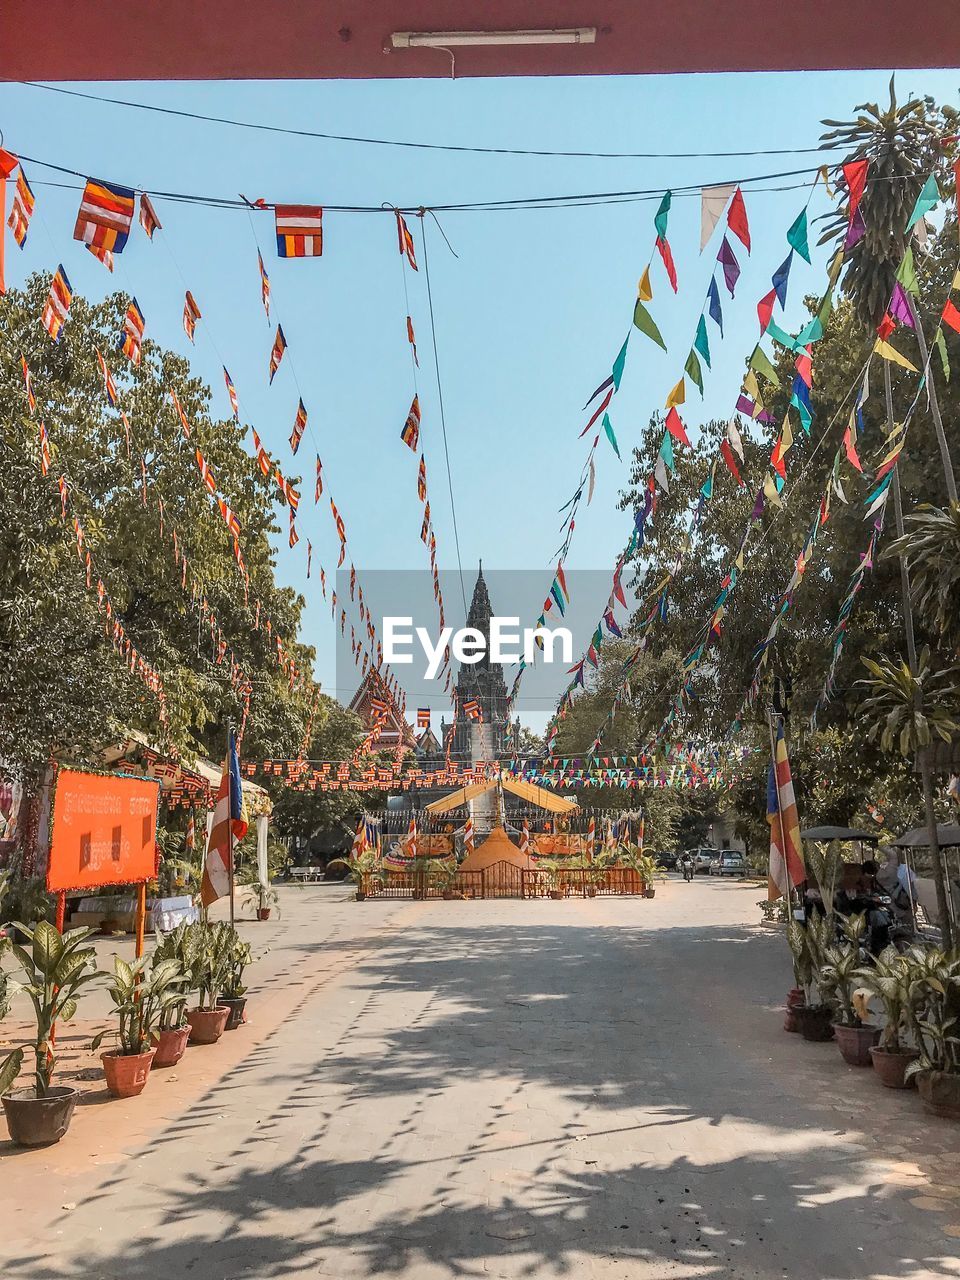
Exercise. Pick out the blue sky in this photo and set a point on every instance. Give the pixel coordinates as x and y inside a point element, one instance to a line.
<point>529,314</point>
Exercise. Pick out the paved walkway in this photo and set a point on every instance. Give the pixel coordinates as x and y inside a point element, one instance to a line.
<point>430,1090</point>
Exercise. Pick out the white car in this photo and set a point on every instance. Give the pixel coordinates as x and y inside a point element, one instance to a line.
<point>730,863</point>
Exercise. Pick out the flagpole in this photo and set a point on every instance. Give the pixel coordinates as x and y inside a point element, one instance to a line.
<point>788,891</point>
<point>229,760</point>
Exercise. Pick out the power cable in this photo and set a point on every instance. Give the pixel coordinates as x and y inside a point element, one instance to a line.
<point>416,146</point>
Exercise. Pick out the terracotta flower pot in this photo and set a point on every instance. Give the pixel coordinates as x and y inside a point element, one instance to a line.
<point>816,1021</point>
<point>556,894</point>
<point>263,913</point>
<point>39,1122</point>
<point>126,1073</point>
<point>940,1093</point>
<point>890,1066</point>
<point>855,1043</point>
<point>171,1046</point>
<point>206,1025</point>
<point>234,1007</point>
<point>795,1000</point>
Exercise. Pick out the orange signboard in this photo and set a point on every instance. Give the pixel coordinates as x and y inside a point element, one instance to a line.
<point>103,832</point>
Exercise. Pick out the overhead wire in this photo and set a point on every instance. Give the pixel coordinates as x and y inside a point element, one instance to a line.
<point>462,148</point>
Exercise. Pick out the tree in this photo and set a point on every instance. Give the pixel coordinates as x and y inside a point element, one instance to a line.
<point>63,691</point>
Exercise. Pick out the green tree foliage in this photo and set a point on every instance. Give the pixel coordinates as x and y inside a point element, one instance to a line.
<point>62,688</point>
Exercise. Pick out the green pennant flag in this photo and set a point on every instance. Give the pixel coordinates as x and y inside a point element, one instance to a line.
<point>666,450</point>
<point>645,323</point>
<point>701,342</point>
<point>941,346</point>
<point>618,364</point>
<point>826,309</point>
<point>797,235</point>
<point>692,370</point>
<point>760,361</point>
<point>811,332</point>
<point>780,335</point>
<point>907,275</point>
<point>608,428</point>
<point>928,197</point>
<point>660,221</point>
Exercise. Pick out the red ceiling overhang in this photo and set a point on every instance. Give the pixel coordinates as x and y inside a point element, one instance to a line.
<point>337,39</point>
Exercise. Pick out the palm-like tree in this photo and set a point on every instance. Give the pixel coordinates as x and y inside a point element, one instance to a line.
<point>931,548</point>
<point>909,712</point>
<point>902,144</point>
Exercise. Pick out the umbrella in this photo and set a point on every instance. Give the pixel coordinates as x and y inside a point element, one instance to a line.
<point>948,836</point>
<point>838,833</point>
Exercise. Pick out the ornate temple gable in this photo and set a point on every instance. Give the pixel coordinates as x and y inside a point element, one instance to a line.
<point>396,729</point>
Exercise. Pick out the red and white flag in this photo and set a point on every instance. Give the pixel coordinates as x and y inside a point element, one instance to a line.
<point>786,867</point>
<point>229,824</point>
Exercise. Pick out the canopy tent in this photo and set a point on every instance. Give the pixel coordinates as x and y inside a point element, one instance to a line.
<point>525,790</point>
<point>458,798</point>
<point>948,837</point>
<point>839,833</point>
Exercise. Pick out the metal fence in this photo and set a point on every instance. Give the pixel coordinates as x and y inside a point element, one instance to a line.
<point>505,880</point>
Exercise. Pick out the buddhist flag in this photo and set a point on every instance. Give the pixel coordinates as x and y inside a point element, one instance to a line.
<point>232,393</point>
<point>299,426</point>
<point>206,474</point>
<point>58,304</point>
<point>318,489</point>
<point>28,383</point>
<point>423,717</point>
<point>264,284</point>
<point>109,386</point>
<point>229,824</point>
<point>263,458</point>
<point>412,339</point>
<point>191,314</point>
<point>22,209</point>
<point>131,343</point>
<point>276,354</point>
<point>105,216</point>
<point>786,867</point>
<point>299,230</point>
<point>148,216</point>
<point>294,536</point>
<point>471,709</point>
<point>309,556</point>
<point>422,480</point>
<point>102,255</point>
<point>44,449</point>
<point>410,435</point>
<point>405,240</point>
<point>525,838</point>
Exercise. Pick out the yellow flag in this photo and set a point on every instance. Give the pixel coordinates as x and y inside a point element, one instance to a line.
<point>770,491</point>
<point>890,353</point>
<point>752,387</point>
<point>644,290</point>
<point>956,280</point>
<point>786,437</point>
<point>824,173</point>
<point>677,396</point>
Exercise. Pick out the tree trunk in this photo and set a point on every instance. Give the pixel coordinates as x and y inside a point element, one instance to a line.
<point>939,878</point>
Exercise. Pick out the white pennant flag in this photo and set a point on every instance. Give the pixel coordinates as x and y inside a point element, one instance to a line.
<point>713,201</point>
<point>733,436</point>
<point>593,477</point>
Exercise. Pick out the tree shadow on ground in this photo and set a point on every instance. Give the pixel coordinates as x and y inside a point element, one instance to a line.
<point>695,1137</point>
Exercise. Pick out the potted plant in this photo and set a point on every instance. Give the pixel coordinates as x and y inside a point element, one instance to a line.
<point>209,956</point>
<point>140,991</point>
<point>890,979</point>
<point>173,1030</point>
<point>233,995</point>
<point>802,974</point>
<point>839,977</point>
<point>556,886</point>
<point>361,868</point>
<point>934,1006</point>
<point>815,1015</point>
<point>647,869</point>
<point>56,967</point>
